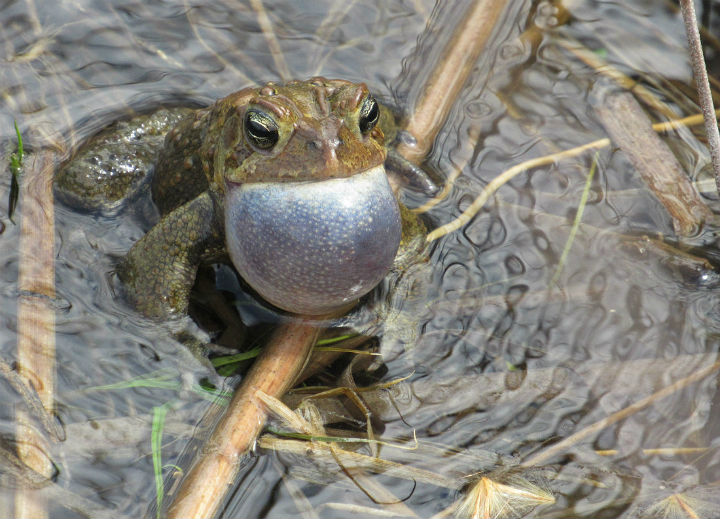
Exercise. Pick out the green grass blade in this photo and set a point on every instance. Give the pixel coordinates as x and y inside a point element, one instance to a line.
<point>576,221</point>
<point>234,359</point>
<point>16,160</point>
<point>158,424</point>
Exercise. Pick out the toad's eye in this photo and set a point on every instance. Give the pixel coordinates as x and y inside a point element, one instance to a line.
<point>369,114</point>
<point>261,130</point>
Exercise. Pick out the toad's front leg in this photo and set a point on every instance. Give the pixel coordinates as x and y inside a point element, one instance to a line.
<point>159,270</point>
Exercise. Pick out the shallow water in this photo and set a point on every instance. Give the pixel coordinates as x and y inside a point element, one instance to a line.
<point>503,360</point>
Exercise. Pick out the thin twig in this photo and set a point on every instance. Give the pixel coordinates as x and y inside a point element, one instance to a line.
<point>703,86</point>
<point>505,177</point>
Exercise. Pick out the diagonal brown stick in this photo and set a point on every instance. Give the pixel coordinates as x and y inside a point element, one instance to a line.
<point>449,76</point>
<point>203,489</point>
<point>630,129</point>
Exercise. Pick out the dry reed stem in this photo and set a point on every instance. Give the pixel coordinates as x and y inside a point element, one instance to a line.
<point>661,451</point>
<point>449,76</point>
<point>36,320</point>
<point>302,503</point>
<point>532,36</point>
<point>703,86</point>
<point>226,62</point>
<point>565,445</point>
<point>509,174</point>
<point>630,129</point>
<point>204,488</point>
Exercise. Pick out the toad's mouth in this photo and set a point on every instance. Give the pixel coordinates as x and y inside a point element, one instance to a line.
<point>313,247</point>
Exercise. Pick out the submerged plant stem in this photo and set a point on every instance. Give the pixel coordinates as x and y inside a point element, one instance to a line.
<point>271,39</point>
<point>565,445</point>
<point>601,66</point>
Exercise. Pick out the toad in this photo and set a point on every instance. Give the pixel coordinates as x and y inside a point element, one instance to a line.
<point>287,181</point>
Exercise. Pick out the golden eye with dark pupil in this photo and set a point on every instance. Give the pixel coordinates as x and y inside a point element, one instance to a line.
<point>261,130</point>
<point>369,115</point>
